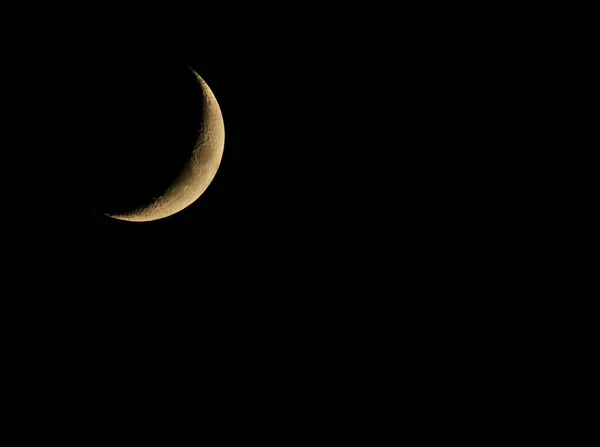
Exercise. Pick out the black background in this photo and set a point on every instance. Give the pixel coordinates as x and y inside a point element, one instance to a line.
<point>347,161</point>
<point>351,221</point>
<point>354,231</point>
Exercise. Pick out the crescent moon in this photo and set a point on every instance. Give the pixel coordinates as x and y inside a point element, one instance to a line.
<point>199,170</point>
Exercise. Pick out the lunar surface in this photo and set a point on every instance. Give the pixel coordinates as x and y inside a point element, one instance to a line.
<point>197,171</point>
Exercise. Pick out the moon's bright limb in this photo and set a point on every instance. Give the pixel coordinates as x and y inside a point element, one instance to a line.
<point>197,173</point>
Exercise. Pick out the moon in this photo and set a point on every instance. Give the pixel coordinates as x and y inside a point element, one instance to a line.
<point>196,173</point>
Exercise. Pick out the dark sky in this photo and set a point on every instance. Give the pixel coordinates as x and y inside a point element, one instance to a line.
<point>353,165</point>
<point>334,137</point>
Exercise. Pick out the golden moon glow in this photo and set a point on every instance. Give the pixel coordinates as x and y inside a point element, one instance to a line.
<point>197,173</point>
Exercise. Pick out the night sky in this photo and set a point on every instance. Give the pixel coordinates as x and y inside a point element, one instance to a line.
<point>357,178</point>
<point>335,148</point>
<point>366,220</point>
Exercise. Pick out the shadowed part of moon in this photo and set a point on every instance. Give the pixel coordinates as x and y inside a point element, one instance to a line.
<point>196,173</point>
